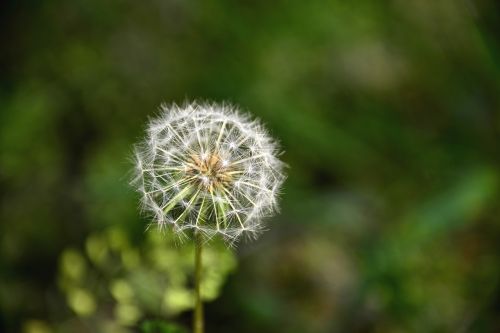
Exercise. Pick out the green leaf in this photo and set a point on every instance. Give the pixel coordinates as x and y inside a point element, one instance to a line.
<point>158,326</point>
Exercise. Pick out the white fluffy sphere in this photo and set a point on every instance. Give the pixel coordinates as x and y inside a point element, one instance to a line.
<point>208,168</point>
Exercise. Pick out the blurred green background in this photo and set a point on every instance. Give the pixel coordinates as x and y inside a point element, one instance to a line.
<point>388,112</point>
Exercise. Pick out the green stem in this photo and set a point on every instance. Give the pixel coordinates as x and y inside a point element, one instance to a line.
<point>198,326</point>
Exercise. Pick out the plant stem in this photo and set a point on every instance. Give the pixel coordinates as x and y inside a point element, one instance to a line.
<point>198,326</point>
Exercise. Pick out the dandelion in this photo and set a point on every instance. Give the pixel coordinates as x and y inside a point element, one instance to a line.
<point>207,170</point>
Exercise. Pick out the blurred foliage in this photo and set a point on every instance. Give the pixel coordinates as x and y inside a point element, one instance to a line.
<point>388,112</point>
<point>153,280</point>
<point>160,327</point>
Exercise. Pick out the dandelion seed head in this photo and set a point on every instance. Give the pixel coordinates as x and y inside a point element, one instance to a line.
<point>209,168</point>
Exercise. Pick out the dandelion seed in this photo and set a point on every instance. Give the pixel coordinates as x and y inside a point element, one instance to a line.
<point>209,168</point>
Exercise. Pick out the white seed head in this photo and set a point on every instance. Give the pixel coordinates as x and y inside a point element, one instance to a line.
<point>208,168</point>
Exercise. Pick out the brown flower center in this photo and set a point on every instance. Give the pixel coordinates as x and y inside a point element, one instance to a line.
<point>211,170</point>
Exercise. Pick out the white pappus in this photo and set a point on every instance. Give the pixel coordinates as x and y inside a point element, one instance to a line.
<point>208,168</point>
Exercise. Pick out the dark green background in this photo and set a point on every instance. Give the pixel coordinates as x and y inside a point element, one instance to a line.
<point>388,113</point>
